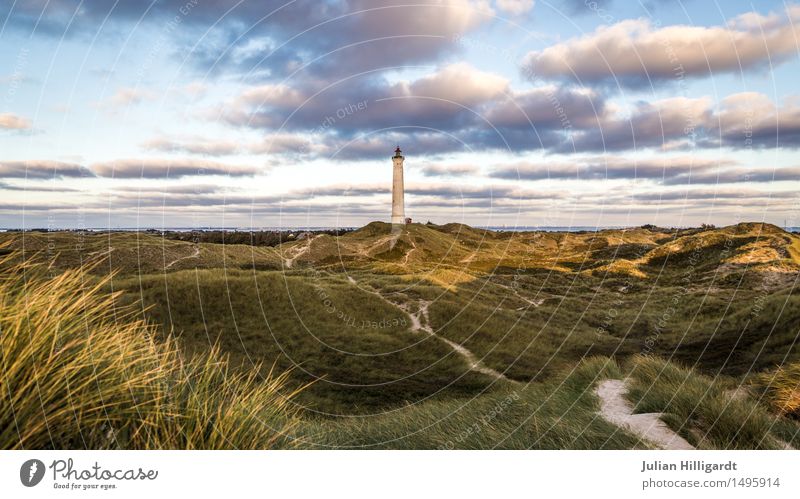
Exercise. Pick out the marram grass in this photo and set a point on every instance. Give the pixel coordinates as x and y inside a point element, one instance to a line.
<point>77,372</point>
<point>781,389</point>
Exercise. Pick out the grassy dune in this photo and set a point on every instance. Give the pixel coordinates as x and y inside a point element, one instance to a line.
<point>77,372</point>
<point>361,322</point>
<point>558,414</point>
<point>355,347</point>
<point>714,413</point>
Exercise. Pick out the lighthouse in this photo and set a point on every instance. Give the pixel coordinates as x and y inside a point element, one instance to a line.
<point>398,201</point>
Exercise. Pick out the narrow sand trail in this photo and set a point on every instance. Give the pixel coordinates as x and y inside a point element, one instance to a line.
<point>473,362</point>
<point>469,258</point>
<point>367,250</point>
<point>101,253</point>
<point>288,262</point>
<point>195,254</point>
<point>533,303</point>
<point>408,253</point>
<point>418,326</point>
<point>617,410</point>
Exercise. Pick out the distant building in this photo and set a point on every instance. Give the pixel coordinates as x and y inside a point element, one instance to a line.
<point>398,189</point>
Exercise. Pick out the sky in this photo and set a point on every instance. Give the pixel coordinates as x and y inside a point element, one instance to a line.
<point>262,114</point>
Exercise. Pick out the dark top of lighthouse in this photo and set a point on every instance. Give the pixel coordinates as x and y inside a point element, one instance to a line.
<point>397,152</point>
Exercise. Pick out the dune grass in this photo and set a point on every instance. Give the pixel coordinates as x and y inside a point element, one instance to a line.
<point>522,303</point>
<point>78,372</point>
<point>708,412</point>
<point>355,347</point>
<point>781,389</point>
<point>558,414</point>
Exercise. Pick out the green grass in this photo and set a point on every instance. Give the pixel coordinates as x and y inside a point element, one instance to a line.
<point>355,347</point>
<point>677,294</point>
<point>558,414</point>
<point>704,410</point>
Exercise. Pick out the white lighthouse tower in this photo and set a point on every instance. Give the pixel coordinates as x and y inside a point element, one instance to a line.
<point>398,201</point>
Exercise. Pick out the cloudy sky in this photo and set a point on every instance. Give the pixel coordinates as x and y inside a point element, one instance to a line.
<point>246,113</point>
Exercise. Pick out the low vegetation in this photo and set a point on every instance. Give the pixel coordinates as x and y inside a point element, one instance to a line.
<point>558,414</point>
<point>77,372</point>
<point>781,388</point>
<point>715,413</point>
<point>398,338</point>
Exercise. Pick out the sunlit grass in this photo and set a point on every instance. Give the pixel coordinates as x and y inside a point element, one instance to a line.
<point>781,389</point>
<point>77,372</point>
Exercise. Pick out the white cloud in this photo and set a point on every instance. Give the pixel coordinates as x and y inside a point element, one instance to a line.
<point>459,82</point>
<point>635,52</point>
<point>515,7</point>
<point>192,145</point>
<point>11,121</point>
<point>126,97</point>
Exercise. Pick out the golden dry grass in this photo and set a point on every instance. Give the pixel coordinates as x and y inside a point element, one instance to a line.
<point>78,372</point>
<point>782,389</point>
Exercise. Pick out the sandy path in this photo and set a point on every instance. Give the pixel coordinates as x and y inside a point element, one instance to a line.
<point>408,253</point>
<point>288,262</point>
<point>195,254</point>
<point>469,258</point>
<point>474,363</point>
<point>533,303</point>
<point>617,410</point>
<point>366,250</point>
<point>102,252</point>
<point>417,326</point>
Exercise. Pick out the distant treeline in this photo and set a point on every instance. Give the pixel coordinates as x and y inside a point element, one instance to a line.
<point>254,238</point>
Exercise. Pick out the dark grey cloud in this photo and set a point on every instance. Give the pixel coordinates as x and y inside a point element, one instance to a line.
<point>464,192</point>
<point>651,124</point>
<point>170,189</point>
<point>339,197</point>
<point>668,170</point>
<point>170,168</point>
<point>453,96</point>
<point>42,169</point>
<point>548,107</point>
<point>19,208</point>
<point>449,170</point>
<point>707,194</point>
<point>456,108</point>
<point>485,115</point>
<point>611,167</point>
<point>737,175</point>
<point>37,187</point>
<point>271,37</point>
<point>381,144</point>
<point>751,120</point>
